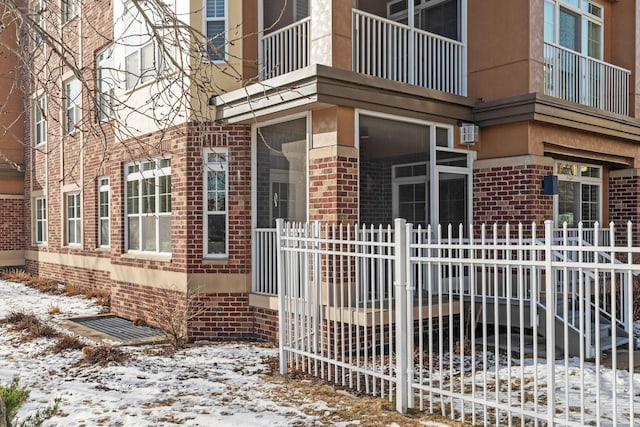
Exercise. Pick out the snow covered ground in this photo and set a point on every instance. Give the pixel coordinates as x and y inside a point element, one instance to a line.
<point>205,385</point>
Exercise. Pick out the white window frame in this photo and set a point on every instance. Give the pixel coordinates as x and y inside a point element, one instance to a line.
<point>39,120</point>
<point>105,84</point>
<point>72,104</point>
<point>37,9</point>
<point>104,190</point>
<point>581,180</point>
<point>396,182</point>
<point>137,173</point>
<point>73,221</point>
<point>70,9</point>
<point>581,9</point>
<point>40,220</point>
<point>138,39</point>
<point>225,13</point>
<point>216,166</point>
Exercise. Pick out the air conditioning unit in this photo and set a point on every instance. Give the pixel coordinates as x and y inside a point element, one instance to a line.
<point>469,133</point>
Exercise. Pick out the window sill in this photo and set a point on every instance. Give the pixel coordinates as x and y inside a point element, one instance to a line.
<point>147,257</point>
<point>73,246</point>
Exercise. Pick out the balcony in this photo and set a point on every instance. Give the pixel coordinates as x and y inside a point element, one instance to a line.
<point>380,47</point>
<point>584,80</point>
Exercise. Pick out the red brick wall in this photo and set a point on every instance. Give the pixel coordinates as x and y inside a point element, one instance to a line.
<point>83,278</point>
<point>511,194</point>
<point>221,315</point>
<point>265,323</point>
<point>624,206</point>
<point>11,218</point>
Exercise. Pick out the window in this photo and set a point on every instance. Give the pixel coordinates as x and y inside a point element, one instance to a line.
<point>579,194</point>
<point>216,202</point>
<point>575,25</point>
<point>104,84</point>
<point>37,8</point>
<point>72,104</point>
<point>69,9</point>
<point>104,226</point>
<point>144,58</point>
<point>41,220</point>
<point>39,121</point>
<point>73,219</point>
<point>440,17</point>
<point>148,206</point>
<point>215,25</point>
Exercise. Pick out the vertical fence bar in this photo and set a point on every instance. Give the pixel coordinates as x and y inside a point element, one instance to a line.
<point>281,303</point>
<point>401,315</point>
<point>550,318</point>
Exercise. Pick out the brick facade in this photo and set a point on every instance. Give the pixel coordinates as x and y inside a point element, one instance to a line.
<point>333,190</point>
<point>12,214</point>
<point>512,194</point>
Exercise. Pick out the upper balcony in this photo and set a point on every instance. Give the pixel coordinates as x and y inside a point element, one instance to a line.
<point>419,42</point>
<point>579,78</point>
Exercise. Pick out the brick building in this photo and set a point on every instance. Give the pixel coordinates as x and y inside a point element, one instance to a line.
<point>159,180</point>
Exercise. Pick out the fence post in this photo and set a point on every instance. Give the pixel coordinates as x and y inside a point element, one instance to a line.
<point>281,293</point>
<point>400,283</point>
<point>550,294</point>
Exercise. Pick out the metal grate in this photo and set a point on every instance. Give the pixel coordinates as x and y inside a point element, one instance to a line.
<point>119,327</point>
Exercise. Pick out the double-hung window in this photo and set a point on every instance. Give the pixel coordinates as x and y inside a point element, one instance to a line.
<point>579,194</point>
<point>148,206</point>
<point>575,25</point>
<point>215,27</point>
<point>73,219</point>
<point>144,57</point>
<point>72,104</point>
<point>105,84</point>
<point>69,9</point>
<point>37,8</point>
<point>216,199</point>
<point>39,121</point>
<point>40,235</point>
<point>104,227</point>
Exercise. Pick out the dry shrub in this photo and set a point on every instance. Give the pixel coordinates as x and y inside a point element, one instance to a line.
<point>54,310</point>
<point>30,325</point>
<point>71,289</point>
<point>103,355</point>
<point>16,275</point>
<point>14,317</point>
<point>102,298</point>
<point>67,342</point>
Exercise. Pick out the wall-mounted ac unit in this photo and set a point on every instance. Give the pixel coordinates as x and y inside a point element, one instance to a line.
<point>469,133</point>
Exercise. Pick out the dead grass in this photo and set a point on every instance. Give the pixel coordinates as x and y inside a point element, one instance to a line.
<point>345,404</point>
<point>54,310</point>
<point>67,342</point>
<point>103,355</point>
<point>30,326</point>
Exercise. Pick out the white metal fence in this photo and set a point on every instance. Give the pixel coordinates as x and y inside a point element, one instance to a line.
<point>584,80</point>
<point>394,51</point>
<point>508,325</point>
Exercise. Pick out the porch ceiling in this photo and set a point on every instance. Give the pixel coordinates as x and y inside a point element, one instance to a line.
<point>317,86</point>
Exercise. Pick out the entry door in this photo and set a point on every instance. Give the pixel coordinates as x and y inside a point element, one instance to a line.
<point>411,193</point>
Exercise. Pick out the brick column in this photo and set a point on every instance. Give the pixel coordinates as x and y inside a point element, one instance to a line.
<point>333,167</point>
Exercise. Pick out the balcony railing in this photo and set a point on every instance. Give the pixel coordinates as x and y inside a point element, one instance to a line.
<point>578,78</point>
<point>285,50</point>
<point>387,49</point>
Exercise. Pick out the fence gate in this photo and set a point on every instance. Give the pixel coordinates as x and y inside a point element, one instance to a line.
<point>492,325</point>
